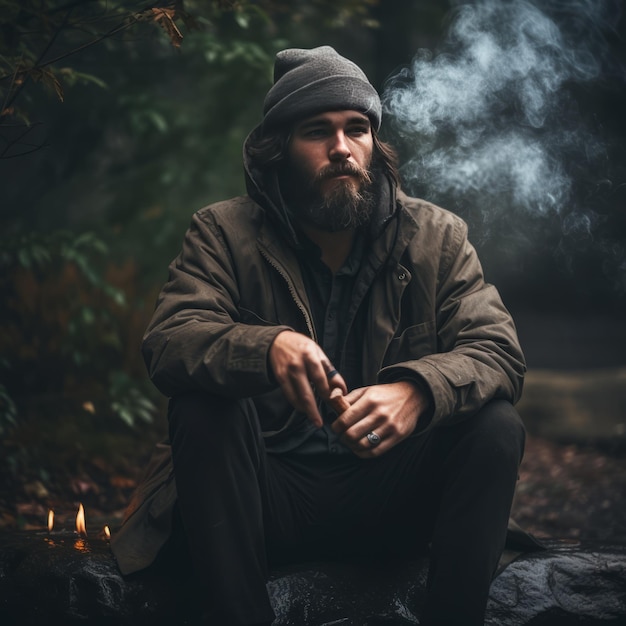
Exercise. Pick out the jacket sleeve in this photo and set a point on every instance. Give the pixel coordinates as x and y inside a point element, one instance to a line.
<point>196,338</point>
<point>479,357</point>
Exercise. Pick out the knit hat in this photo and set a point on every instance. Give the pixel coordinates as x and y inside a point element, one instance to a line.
<point>307,82</point>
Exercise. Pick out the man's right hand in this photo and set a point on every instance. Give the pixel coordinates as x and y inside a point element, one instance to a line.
<point>301,369</point>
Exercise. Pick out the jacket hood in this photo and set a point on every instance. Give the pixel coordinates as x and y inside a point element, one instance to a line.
<point>264,189</point>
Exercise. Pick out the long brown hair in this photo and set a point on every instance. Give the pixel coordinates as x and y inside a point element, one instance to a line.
<point>269,151</point>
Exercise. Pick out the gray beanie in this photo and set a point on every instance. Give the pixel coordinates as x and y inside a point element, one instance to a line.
<point>307,82</point>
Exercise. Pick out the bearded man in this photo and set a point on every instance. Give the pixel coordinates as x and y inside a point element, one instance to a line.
<point>326,279</point>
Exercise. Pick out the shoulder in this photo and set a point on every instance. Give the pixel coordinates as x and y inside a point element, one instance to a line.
<point>238,218</point>
<point>429,215</point>
<point>234,223</point>
<point>435,225</point>
<point>239,210</point>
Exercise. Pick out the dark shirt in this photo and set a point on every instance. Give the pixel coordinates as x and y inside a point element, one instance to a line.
<point>338,325</point>
<point>339,304</point>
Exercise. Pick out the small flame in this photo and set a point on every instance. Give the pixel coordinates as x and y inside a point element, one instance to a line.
<point>50,520</point>
<point>107,532</point>
<point>81,529</point>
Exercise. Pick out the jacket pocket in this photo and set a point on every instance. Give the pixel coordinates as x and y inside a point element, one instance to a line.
<point>414,342</point>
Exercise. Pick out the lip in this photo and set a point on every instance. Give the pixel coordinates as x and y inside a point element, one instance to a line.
<point>342,176</point>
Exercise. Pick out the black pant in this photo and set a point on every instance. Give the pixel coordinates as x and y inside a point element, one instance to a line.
<point>243,509</point>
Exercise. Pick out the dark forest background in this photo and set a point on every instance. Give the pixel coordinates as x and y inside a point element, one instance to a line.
<point>119,119</point>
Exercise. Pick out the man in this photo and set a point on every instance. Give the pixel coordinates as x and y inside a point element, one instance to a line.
<point>325,279</point>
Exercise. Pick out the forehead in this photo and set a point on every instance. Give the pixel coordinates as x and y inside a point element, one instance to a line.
<point>334,118</point>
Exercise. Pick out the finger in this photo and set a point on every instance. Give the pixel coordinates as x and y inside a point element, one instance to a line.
<point>357,412</point>
<point>355,437</point>
<point>325,378</point>
<point>356,394</point>
<point>369,449</point>
<point>336,381</point>
<point>304,400</point>
<point>299,394</point>
<point>331,373</point>
<point>372,453</point>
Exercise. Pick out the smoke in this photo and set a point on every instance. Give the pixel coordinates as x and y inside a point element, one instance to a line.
<point>489,125</point>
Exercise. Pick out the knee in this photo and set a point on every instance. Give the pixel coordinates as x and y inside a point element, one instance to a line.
<point>500,431</point>
<point>202,416</point>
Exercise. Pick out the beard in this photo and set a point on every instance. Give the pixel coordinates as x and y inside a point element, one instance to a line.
<point>327,202</point>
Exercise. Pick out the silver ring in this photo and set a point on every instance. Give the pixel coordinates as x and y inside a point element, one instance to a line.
<point>374,439</point>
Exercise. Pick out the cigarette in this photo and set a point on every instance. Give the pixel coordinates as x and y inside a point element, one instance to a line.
<point>337,401</point>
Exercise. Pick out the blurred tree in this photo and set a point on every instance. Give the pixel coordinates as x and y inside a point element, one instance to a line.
<point>41,40</point>
<point>164,130</point>
<point>118,119</point>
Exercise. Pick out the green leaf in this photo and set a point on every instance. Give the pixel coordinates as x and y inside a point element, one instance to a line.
<point>160,123</point>
<point>72,77</point>
<point>90,241</point>
<point>8,410</point>
<point>41,255</point>
<point>242,19</point>
<point>88,316</point>
<point>24,258</point>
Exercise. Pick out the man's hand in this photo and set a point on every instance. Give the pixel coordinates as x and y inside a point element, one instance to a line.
<point>390,410</point>
<point>301,369</point>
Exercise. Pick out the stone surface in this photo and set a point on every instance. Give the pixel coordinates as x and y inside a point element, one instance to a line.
<point>565,584</point>
<point>64,579</point>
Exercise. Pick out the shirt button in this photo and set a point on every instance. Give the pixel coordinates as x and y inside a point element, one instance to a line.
<point>331,316</point>
<point>401,276</point>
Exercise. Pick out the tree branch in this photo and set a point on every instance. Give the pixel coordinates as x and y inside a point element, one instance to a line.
<point>18,140</point>
<point>12,97</point>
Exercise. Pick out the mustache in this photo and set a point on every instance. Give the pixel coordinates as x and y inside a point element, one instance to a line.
<point>344,169</point>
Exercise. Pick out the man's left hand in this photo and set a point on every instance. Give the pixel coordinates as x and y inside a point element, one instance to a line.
<point>391,411</point>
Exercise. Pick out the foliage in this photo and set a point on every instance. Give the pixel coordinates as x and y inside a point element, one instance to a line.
<point>40,41</point>
<point>8,410</point>
<point>36,38</point>
<point>128,401</point>
<point>37,252</point>
<point>118,118</point>
<point>70,331</point>
<point>62,326</point>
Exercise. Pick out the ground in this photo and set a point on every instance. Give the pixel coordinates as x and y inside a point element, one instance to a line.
<point>572,492</point>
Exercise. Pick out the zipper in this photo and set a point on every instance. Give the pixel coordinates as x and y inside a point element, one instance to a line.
<point>292,291</point>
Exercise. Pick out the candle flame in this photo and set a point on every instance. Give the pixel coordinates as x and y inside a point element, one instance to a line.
<point>50,520</point>
<point>107,532</point>
<point>81,529</point>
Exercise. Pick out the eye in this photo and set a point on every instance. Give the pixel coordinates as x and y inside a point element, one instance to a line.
<point>357,131</point>
<point>314,133</point>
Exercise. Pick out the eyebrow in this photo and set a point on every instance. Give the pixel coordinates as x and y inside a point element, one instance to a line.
<point>324,121</point>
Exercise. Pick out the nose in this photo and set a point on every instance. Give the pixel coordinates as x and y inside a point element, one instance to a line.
<point>339,149</point>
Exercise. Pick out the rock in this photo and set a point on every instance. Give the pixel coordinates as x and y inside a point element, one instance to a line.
<point>565,584</point>
<point>350,594</point>
<point>64,579</point>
